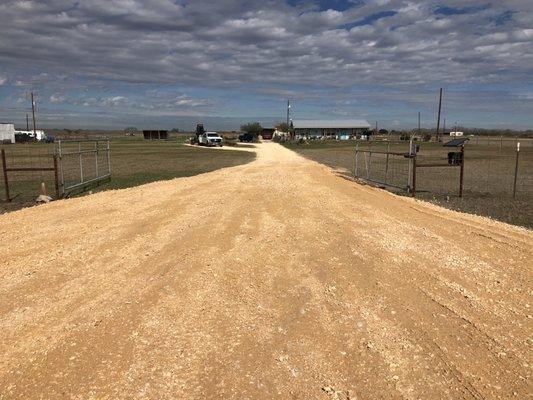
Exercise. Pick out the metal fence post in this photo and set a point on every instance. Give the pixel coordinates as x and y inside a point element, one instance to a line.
<point>414,176</point>
<point>6,180</point>
<point>56,177</point>
<point>356,159</point>
<point>108,159</point>
<point>81,162</point>
<point>96,156</point>
<point>461,176</point>
<point>59,153</point>
<point>387,162</point>
<point>516,169</point>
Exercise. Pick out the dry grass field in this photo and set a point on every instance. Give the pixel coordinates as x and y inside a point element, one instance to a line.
<point>489,173</point>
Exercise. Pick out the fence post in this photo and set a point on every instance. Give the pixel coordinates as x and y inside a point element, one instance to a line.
<point>81,162</point>
<point>461,176</point>
<point>387,163</point>
<point>96,157</point>
<point>356,159</point>
<point>108,159</point>
<point>516,169</point>
<point>6,180</point>
<point>56,177</point>
<point>414,176</point>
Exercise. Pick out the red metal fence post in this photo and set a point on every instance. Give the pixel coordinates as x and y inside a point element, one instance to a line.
<point>4,169</point>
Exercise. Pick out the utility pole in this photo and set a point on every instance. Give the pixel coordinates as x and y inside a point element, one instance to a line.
<point>419,123</point>
<point>376,128</point>
<point>288,112</point>
<point>438,117</point>
<point>33,112</point>
<point>27,122</point>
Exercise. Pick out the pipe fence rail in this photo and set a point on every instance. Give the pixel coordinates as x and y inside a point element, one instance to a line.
<point>83,163</point>
<point>420,168</point>
<point>66,167</point>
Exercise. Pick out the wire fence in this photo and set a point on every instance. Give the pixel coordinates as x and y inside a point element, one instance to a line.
<point>56,170</point>
<point>488,169</point>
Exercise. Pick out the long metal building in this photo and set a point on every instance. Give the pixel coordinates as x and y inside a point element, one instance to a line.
<point>337,128</point>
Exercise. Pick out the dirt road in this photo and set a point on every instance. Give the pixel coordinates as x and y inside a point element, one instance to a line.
<point>275,279</point>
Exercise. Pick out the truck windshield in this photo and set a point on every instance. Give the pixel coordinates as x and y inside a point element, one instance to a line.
<point>212,134</point>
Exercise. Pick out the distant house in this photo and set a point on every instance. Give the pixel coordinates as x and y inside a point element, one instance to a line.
<point>7,133</point>
<point>155,135</point>
<point>341,129</point>
<point>267,133</point>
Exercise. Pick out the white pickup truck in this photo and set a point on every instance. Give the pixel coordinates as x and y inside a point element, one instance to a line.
<point>210,139</point>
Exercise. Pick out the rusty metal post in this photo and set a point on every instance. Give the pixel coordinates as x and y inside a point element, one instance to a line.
<point>6,180</point>
<point>56,177</point>
<point>516,169</point>
<point>461,176</point>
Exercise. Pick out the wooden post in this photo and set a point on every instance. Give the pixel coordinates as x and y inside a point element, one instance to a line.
<point>516,169</point>
<point>6,180</point>
<point>461,176</point>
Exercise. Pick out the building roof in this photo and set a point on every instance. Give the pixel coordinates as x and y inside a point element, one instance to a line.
<point>331,124</point>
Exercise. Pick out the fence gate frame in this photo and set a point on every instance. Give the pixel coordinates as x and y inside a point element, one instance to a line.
<point>454,143</point>
<point>60,154</point>
<point>410,155</point>
<point>6,169</point>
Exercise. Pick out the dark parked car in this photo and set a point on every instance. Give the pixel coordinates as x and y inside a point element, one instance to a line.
<point>246,137</point>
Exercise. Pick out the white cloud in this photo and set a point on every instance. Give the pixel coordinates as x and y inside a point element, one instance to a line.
<point>57,98</point>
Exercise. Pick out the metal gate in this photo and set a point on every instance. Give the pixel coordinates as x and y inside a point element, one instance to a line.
<point>83,163</point>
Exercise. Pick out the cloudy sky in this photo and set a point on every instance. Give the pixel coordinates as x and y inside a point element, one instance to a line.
<point>171,63</point>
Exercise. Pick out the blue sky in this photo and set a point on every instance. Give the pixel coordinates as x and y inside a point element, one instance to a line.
<point>172,63</point>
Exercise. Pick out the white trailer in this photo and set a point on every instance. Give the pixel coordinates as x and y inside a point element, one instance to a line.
<point>39,134</point>
<point>7,133</point>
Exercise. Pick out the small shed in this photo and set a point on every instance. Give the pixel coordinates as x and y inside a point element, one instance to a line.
<point>7,133</point>
<point>155,135</point>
